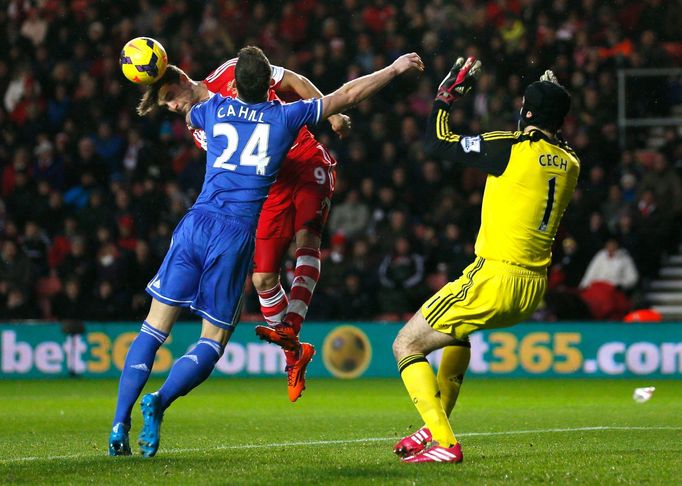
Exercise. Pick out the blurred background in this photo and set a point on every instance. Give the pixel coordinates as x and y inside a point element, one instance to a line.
<point>90,192</point>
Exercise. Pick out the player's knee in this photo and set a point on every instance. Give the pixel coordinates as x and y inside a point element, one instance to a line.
<point>264,281</point>
<point>215,333</point>
<point>306,238</point>
<point>397,348</point>
<point>403,346</point>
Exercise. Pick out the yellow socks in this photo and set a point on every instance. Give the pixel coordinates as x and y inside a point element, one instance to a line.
<point>453,365</point>
<point>422,387</point>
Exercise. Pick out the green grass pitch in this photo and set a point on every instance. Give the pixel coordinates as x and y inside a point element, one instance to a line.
<point>244,431</point>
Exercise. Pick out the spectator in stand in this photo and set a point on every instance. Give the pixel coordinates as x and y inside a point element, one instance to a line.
<point>596,235</point>
<point>400,275</point>
<point>78,262</point>
<point>336,265</point>
<point>35,245</point>
<point>626,234</point>
<point>653,227</point>
<point>351,217</point>
<point>21,202</point>
<point>608,279</point>
<point>17,305</point>
<point>70,304</point>
<point>16,271</point>
<point>396,227</point>
<point>354,302</point>
<point>664,183</point>
<point>106,305</point>
<point>666,186</point>
<point>612,207</point>
<point>452,250</point>
<point>111,265</point>
<point>109,147</point>
<point>569,266</point>
<point>126,233</point>
<point>96,212</point>
<point>87,160</point>
<point>53,213</point>
<point>142,268</point>
<point>613,265</point>
<point>48,166</point>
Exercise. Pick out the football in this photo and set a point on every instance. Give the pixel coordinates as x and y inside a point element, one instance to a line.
<point>143,60</point>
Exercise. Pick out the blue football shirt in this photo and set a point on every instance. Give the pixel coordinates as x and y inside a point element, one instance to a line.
<point>246,144</point>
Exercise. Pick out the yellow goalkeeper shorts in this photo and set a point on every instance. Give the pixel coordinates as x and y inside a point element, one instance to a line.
<point>488,295</point>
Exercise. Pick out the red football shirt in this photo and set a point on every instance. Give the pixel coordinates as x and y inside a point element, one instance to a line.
<point>221,81</point>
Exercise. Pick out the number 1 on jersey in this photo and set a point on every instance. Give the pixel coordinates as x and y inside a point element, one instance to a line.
<point>550,202</point>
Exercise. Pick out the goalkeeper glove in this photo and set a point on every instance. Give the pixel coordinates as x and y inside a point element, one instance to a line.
<point>549,76</point>
<point>459,80</point>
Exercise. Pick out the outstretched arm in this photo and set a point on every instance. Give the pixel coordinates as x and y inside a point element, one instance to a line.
<point>362,88</point>
<point>489,151</point>
<point>440,141</point>
<point>305,89</point>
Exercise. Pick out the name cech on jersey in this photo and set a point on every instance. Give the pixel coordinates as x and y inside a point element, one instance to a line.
<point>553,160</point>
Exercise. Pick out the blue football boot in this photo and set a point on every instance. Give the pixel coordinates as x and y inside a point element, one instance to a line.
<point>119,444</point>
<point>152,415</point>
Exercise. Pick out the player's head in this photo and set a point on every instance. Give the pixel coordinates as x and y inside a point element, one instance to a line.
<point>545,105</point>
<point>174,91</point>
<point>252,75</point>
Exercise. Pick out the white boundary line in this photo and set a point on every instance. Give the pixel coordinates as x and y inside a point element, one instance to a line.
<point>341,441</point>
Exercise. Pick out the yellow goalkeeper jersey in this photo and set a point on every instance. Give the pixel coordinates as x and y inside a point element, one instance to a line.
<point>531,179</point>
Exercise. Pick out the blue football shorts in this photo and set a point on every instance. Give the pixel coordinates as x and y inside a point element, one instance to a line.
<point>206,267</point>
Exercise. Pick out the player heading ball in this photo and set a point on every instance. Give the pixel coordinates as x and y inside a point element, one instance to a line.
<point>212,248</point>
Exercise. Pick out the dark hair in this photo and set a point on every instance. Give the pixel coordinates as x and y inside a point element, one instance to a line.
<point>150,99</point>
<point>545,105</point>
<point>252,75</point>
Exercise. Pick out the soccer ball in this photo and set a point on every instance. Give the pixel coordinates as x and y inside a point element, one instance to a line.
<point>143,60</point>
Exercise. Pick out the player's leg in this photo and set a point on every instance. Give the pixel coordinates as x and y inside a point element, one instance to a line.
<point>136,370</point>
<point>192,369</point>
<point>306,273</point>
<point>172,287</point>
<point>414,341</point>
<point>312,201</point>
<point>188,372</point>
<point>273,299</point>
<point>306,276</point>
<point>297,355</point>
<point>267,263</point>
<point>225,258</point>
<point>273,236</point>
<point>453,365</point>
<point>443,321</point>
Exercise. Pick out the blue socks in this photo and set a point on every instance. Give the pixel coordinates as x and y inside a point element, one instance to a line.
<point>136,370</point>
<point>190,370</point>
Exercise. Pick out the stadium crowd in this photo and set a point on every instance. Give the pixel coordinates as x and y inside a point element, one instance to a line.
<point>90,192</point>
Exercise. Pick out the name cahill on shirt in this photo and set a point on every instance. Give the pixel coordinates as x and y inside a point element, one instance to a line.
<point>244,112</point>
